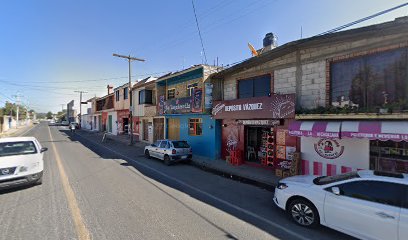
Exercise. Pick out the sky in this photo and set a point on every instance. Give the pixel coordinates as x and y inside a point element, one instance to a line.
<point>50,49</point>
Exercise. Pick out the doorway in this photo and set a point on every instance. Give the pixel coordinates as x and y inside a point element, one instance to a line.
<point>158,126</point>
<point>259,146</point>
<point>125,127</point>
<point>174,129</point>
<point>110,123</point>
<point>145,130</point>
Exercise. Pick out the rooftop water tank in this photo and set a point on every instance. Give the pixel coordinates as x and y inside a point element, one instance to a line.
<point>270,39</point>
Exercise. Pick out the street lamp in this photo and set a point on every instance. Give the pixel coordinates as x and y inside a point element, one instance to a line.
<point>129,58</point>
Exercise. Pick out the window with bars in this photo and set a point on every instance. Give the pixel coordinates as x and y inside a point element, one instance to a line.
<point>171,93</point>
<point>195,127</point>
<point>190,88</point>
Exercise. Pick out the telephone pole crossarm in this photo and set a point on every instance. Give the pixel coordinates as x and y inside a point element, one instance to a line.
<point>129,58</point>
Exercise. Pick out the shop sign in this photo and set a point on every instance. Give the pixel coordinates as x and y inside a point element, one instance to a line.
<point>275,107</point>
<point>177,105</point>
<point>329,148</point>
<point>259,122</point>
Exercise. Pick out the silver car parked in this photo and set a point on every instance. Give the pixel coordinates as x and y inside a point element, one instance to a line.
<point>169,151</point>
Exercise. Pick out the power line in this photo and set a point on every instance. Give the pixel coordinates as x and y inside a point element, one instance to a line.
<point>99,79</point>
<point>363,19</point>
<point>199,32</point>
<point>217,23</point>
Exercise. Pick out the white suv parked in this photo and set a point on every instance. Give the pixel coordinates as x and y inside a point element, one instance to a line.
<point>21,161</point>
<point>364,204</point>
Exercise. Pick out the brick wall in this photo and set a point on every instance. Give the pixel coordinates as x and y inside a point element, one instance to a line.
<point>310,67</point>
<point>285,80</point>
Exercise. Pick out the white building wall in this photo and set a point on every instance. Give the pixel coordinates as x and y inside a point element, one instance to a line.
<point>138,109</point>
<point>356,155</point>
<point>114,122</point>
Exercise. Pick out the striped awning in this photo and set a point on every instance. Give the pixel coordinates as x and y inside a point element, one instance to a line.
<point>322,129</point>
<point>373,130</point>
<point>376,130</point>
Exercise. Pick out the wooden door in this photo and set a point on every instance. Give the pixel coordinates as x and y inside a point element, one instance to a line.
<point>158,126</point>
<point>174,128</point>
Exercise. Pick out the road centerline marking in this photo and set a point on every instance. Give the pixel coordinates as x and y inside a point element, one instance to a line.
<point>81,230</point>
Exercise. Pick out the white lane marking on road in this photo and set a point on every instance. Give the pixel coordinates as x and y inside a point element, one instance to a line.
<point>205,193</point>
<point>82,231</point>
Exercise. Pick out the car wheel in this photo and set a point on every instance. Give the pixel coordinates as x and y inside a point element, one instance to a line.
<point>304,213</point>
<point>147,154</point>
<point>167,160</point>
<point>188,161</point>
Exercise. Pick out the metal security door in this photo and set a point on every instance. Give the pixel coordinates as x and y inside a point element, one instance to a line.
<point>174,128</point>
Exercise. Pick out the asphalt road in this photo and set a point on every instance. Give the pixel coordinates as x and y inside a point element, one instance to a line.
<point>95,191</point>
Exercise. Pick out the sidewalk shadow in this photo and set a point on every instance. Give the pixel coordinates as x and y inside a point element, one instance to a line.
<point>146,171</point>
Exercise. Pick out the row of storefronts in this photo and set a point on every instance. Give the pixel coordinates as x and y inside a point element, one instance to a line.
<point>324,105</point>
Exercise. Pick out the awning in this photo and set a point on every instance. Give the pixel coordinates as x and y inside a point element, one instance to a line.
<point>376,130</point>
<point>322,129</point>
<point>373,130</point>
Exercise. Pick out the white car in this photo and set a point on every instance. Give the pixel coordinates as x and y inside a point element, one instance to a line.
<point>21,161</point>
<point>364,204</point>
<point>169,151</point>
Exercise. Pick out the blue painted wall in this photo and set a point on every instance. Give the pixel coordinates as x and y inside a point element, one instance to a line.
<point>209,143</point>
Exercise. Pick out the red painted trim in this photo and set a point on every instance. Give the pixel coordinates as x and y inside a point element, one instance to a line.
<point>317,168</point>
<point>331,169</point>
<point>305,167</point>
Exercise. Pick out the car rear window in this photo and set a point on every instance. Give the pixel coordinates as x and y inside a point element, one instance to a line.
<point>180,144</point>
<point>17,148</point>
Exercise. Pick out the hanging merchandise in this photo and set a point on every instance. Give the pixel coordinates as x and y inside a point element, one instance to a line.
<point>270,147</point>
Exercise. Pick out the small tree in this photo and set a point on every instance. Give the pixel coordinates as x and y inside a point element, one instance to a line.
<point>49,115</point>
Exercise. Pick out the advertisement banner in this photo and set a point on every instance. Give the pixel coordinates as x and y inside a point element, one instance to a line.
<point>208,96</point>
<point>161,105</point>
<point>197,100</point>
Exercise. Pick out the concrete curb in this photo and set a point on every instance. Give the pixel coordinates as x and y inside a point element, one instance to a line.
<point>208,167</point>
<point>232,175</point>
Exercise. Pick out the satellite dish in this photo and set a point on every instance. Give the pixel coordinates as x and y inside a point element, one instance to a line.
<point>253,50</point>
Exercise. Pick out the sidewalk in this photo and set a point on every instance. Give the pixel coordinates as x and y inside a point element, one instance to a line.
<point>262,177</point>
<point>12,132</point>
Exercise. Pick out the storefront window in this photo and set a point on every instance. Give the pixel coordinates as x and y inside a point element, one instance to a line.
<point>254,87</point>
<point>195,127</point>
<point>372,81</point>
<point>389,156</point>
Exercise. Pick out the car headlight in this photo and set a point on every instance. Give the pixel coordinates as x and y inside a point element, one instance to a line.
<point>281,186</point>
<point>23,169</point>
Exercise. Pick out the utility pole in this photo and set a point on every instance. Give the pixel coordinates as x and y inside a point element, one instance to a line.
<point>17,96</point>
<point>129,58</point>
<point>80,106</point>
<point>62,107</point>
